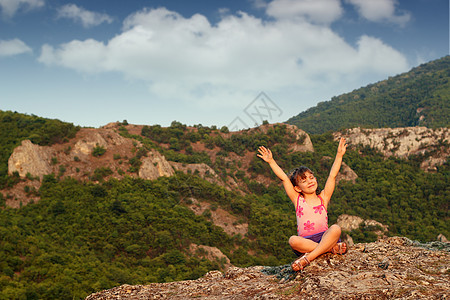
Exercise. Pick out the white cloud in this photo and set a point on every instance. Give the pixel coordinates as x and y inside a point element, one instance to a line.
<point>85,17</point>
<point>10,7</point>
<point>228,63</point>
<point>380,11</point>
<point>378,56</point>
<point>13,47</point>
<point>84,56</point>
<point>317,11</point>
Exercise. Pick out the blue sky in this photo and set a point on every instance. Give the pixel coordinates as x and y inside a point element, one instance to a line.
<point>225,63</point>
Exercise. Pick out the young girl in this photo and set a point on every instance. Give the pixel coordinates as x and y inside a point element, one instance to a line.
<point>314,237</point>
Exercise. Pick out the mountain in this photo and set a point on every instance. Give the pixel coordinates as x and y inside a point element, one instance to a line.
<point>87,209</point>
<point>420,97</point>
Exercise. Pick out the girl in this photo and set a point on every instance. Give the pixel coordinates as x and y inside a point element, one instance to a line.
<point>314,237</point>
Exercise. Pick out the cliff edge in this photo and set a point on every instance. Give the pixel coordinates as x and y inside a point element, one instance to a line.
<point>392,268</point>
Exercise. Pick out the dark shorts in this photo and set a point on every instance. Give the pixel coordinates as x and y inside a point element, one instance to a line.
<point>315,238</point>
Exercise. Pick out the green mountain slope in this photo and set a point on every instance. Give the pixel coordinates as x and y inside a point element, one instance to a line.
<point>87,236</point>
<point>420,97</point>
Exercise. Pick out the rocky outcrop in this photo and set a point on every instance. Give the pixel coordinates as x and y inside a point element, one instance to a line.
<point>403,142</point>
<point>220,217</point>
<point>155,165</point>
<point>302,140</point>
<point>345,173</point>
<point>210,253</point>
<point>392,268</point>
<point>86,145</point>
<point>349,223</point>
<point>442,238</point>
<point>42,160</point>
<point>32,159</point>
<point>202,170</point>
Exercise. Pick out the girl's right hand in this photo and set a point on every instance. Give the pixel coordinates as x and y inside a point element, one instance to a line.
<point>342,146</point>
<point>265,154</point>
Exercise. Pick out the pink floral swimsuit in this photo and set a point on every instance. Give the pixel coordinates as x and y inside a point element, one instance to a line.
<point>310,220</point>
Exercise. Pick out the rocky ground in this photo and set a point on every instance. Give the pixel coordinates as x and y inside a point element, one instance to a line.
<point>392,268</point>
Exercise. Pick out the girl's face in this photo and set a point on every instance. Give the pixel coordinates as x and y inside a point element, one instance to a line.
<point>308,184</point>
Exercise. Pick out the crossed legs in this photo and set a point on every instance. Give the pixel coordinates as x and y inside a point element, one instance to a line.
<point>327,243</point>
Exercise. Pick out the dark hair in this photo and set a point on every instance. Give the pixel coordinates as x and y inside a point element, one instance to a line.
<point>300,173</point>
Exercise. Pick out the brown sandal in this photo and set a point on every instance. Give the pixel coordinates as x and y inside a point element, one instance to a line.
<point>298,263</point>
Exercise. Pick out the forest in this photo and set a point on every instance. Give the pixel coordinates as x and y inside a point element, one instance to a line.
<point>82,237</point>
<point>420,97</point>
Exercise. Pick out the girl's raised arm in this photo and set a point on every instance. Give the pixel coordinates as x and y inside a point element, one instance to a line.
<point>266,155</point>
<point>331,181</point>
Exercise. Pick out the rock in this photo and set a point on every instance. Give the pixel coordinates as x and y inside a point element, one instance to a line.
<point>403,142</point>
<point>86,145</point>
<point>384,264</point>
<point>202,169</point>
<point>112,125</point>
<point>155,165</point>
<point>387,269</point>
<point>349,223</point>
<point>210,253</point>
<point>345,173</point>
<point>303,141</point>
<point>346,238</point>
<point>430,164</point>
<point>220,217</point>
<point>31,158</point>
<point>442,238</point>
<point>435,245</point>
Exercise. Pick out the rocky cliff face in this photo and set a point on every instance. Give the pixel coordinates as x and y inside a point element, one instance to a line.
<point>349,223</point>
<point>220,217</point>
<point>302,140</point>
<point>403,142</point>
<point>345,173</point>
<point>392,268</point>
<point>32,159</point>
<point>155,165</point>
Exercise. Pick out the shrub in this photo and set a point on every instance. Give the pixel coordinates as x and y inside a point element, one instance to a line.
<point>98,151</point>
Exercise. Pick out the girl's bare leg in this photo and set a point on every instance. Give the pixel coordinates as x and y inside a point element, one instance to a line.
<point>328,241</point>
<point>301,244</point>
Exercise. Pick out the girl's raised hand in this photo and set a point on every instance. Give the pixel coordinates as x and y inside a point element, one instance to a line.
<point>342,146</point>
<point>265,154</point>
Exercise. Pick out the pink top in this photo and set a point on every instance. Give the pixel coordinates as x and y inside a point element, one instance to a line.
<point>310,220</point>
